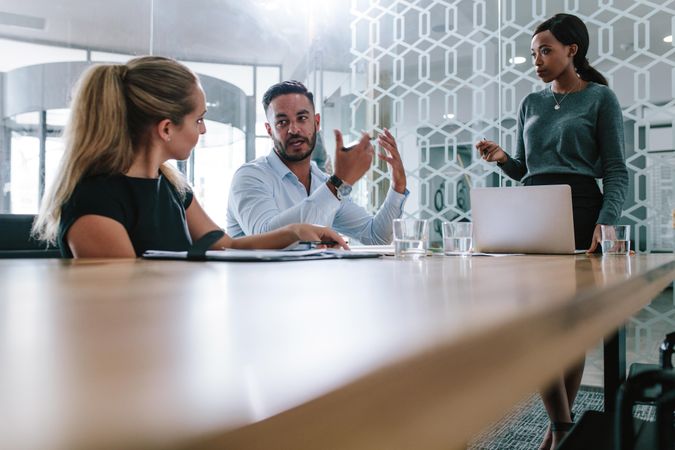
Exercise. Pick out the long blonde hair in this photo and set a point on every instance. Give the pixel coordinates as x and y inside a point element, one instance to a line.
<point>112,110</point>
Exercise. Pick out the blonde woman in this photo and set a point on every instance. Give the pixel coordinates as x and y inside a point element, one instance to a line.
<point>115,195</point>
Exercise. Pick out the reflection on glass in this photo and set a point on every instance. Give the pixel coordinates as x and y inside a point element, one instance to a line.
<point>25,157</point>
<point>56,120</point>
<point>53,154</point>
<point>218,155</point>
<point>265,77</point>
<point>24,173</point>
<point>25,163</point>
<point>262,146</point>
<point>239,75</point>
<point>616,268</point>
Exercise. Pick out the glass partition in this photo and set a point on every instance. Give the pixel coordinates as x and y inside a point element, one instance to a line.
<point>446,74</point>
<point>25,162</point>
<point>218,154</point>
<point>439,74</point>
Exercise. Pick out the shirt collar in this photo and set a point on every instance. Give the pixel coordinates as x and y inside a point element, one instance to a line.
<point>278,165</point>
<point>282,169</point>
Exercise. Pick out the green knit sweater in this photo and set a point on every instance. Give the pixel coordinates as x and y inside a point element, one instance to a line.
<point>583,137</point>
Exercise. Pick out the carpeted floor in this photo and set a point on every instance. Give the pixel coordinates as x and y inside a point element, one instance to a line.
<point>524,426</point>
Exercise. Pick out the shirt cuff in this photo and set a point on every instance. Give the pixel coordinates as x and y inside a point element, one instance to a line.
<point>507,164</point>
<point>395,198</point>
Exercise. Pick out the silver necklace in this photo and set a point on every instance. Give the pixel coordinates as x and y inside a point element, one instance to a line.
<point>558,103</point>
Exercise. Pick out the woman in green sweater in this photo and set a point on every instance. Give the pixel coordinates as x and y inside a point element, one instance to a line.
<point>571,132</point>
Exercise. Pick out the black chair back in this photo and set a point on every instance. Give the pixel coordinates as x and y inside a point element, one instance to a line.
<point>634,390</point>
<point>16,241</point>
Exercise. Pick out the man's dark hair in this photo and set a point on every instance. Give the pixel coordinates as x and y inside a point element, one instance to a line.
<point>286,87</point>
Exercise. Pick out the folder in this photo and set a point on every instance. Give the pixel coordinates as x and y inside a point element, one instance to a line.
<point>261,255</point>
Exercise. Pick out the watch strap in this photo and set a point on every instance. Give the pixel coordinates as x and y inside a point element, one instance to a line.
<point>335,181</point>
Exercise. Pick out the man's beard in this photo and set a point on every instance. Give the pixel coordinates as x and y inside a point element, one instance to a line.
<point>281,149</point>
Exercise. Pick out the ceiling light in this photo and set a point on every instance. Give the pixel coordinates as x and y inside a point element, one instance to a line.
<point>449,116</point>
<point>668,39</point>
<point>517,60</point>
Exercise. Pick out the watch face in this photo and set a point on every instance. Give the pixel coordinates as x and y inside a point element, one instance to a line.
<point>344,190</point>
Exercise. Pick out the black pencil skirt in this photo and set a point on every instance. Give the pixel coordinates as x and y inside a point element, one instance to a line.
<point>586,202</point>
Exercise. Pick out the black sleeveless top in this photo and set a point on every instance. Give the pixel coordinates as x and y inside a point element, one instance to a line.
<point>151,210</point>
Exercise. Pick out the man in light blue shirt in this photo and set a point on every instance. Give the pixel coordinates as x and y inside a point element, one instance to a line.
<point>286,187</point>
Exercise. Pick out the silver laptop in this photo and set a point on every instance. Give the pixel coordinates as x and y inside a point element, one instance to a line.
<point>526,219</point>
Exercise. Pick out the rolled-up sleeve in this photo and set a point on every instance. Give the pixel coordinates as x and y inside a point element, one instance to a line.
<point>354,221</point>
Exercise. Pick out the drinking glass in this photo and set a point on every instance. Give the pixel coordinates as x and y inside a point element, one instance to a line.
<point>457,238</point>
<point>410,238</point>
<point>615,239</point>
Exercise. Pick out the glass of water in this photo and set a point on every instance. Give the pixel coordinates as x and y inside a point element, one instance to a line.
<point>457,238</point>
<point>615,239</point>
<point>410,238</point>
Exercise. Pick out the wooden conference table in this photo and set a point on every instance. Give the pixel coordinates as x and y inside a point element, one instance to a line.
<point>338,354</point>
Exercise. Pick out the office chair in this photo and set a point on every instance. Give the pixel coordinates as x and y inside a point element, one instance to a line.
<point>646,384</point>
<point>666,350</point>
<point>634,434</point>
<point>16,241</point>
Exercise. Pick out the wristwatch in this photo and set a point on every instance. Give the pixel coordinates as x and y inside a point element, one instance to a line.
<point>343,189</point>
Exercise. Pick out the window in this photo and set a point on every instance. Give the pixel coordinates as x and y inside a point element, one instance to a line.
<point>217,156</point>
<point>220,152</point>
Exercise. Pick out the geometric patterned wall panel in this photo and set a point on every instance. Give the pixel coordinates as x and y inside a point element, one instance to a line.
<point>641,67</point>
<point>441,74</point>
<point>432,78</point>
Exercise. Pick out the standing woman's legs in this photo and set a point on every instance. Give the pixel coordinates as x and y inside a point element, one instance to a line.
<point>556,402</point>
<point>559,397</point>
<point>573,381</point>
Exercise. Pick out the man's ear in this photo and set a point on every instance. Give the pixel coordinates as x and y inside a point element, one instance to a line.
<point>164,128</point>
<point>268,127</point>
<point>317,119</point>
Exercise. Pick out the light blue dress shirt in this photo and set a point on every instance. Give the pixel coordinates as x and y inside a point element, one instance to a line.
<point>266,195</point>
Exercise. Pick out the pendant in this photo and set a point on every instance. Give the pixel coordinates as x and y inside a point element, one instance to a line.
<point>556,107</point>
